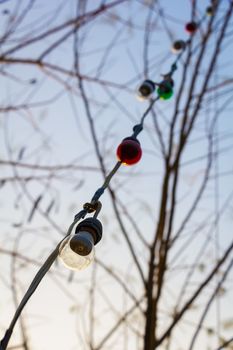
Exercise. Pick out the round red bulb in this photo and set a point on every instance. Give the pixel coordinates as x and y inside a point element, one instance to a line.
<point>191,27</point>
<point>129,152</point>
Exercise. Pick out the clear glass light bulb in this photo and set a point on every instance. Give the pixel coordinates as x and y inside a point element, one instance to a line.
<point>77,251</point>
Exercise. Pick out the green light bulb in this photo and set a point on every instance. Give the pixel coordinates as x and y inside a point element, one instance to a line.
<point>165,90</point>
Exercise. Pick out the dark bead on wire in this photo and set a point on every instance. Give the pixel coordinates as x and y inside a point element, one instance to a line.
<point>137,129</point>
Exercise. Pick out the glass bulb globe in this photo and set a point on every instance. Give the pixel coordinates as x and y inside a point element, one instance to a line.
<point>77,251</point>
<point>129,152</point>
<point>191,27</point>
<point>165,90</point>
<point>140,97</point>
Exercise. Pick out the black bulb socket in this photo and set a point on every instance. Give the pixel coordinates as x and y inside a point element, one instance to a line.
<point>131,138</point>
<point>82,243</point>
<point>87,234</point>
<point>179,45</point>
<point>166,85</point>
<point>210,10</point>
<point>147,88</point>
<point>92,226</point>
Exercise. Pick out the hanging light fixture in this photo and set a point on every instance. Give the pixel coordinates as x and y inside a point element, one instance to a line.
<point>129,151</point>
<point>146,89</point>
<point>77,251</point>
<point>165,89</point>
<point>178,46</point>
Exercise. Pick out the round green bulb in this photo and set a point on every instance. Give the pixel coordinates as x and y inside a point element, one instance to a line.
<point>165,90</point>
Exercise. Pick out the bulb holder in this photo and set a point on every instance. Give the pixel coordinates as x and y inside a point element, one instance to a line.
<point>87,234</point>
<point>146,89</point>
<point>178,46</point>
<point>92,226</point>
<point>210,10</point>
<point>82,243</point>
<point>77,250</point>
<point>165,89</point>
<point>129,151</point>
<point>191,27</point>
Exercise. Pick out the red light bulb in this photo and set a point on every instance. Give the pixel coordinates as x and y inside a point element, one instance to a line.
<point>191,27</point>
<point>129,152</point>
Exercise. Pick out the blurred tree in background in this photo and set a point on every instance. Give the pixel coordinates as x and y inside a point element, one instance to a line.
<point>70,71</point>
